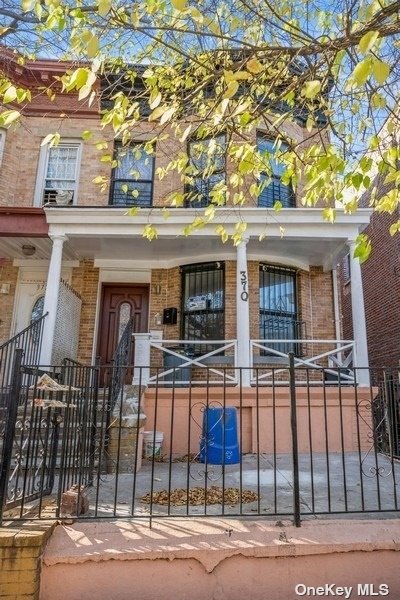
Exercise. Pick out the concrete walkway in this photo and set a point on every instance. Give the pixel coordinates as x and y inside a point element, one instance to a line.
<point>328,484</point>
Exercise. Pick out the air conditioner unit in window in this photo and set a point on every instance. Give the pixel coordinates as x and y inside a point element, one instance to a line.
<point>58,196</point>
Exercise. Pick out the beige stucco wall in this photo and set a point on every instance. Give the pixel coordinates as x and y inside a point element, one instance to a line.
<point>327,419</point>
<point>197,559</point>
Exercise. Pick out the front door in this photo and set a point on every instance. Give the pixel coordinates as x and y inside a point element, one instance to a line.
<point>119,304</point>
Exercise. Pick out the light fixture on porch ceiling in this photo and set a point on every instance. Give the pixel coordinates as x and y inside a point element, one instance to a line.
<point>28,249</point>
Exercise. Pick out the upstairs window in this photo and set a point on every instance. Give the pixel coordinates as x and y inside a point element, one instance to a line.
<point>208,169</point>
<point>133,177</point>
<point>58,181</point>
<point>274,190</point>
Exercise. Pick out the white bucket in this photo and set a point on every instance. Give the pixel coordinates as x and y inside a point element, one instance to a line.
<point>152,443</point>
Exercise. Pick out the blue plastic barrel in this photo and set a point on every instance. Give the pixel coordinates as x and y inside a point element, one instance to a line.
<point>219,443</point>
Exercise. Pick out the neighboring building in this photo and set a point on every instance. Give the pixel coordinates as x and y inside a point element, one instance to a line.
<point>381,288</point>
<point>54,223</point>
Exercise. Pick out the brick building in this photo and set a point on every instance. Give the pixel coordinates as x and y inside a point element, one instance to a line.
<point>63,244</point>
<point>381,289</point>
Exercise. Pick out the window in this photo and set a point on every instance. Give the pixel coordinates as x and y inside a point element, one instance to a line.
<point>124,314</point>
<point>278,307</point>
<point>58,174</point>
<point>207,163</point>
<point>132,179</point>
<point>274,190</point>
<point>203,303</point>
<point>37,312</point>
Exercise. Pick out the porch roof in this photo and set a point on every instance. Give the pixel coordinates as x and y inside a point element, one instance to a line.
<point>296,236</point>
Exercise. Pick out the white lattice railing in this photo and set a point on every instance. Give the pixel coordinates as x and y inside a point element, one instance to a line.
<point>214,374</point>
<point>338,361</point>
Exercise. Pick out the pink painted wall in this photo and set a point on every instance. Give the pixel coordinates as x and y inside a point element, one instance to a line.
<point>195,560</point>
<point>321,415</point>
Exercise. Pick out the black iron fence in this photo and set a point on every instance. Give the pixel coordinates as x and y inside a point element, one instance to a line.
<point>30,341</point>
<point>308,448</point>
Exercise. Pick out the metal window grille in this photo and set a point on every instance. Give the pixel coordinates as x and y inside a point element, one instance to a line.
<point>279,317</point>
<point>61,173</point>
<point>203,304</point>
<point>274,190</point>
<point>207,170</point>
<point>132,179</point>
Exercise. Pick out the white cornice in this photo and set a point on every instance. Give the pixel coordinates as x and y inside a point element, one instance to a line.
<point>296,222</point>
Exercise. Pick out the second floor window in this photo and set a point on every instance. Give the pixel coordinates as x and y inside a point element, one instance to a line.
<point>207,164</point>
<point>274,190</point>
<point>132,179</point>
<point>61,169</point>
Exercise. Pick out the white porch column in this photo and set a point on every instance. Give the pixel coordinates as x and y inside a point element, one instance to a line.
<point>142,359</point>
<point>242,312</point>
<point>358,315</point>
<point>51,298</point>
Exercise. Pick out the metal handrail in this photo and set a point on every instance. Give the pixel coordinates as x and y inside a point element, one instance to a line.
<point>31,326</point>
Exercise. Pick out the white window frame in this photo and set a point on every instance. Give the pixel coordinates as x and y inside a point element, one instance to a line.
<point>43,164</point>
<point>2,144</point>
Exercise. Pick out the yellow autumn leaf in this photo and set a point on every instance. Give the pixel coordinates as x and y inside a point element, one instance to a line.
<point>157,113</point>
<point>27,5</point>
<point>93,47</point>
<point>361,72</point>
<point>104,7</point>
<point>155,99</point>
<point>167,115</point>
<point>380,71</point>
<point>311,89</point>
<point>10,95</point>
<point>231,89</point>
<point>254,66</point>
<point>367,41</point>
<point>179,4</point>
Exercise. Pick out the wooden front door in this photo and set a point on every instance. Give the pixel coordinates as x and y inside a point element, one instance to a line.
<point>119,303</point>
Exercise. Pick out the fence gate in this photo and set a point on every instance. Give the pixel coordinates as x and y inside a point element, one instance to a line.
<point>47,436</point>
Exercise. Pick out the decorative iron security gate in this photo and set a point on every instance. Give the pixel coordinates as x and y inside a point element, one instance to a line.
<point>48,432</point>
<point>309,448</point>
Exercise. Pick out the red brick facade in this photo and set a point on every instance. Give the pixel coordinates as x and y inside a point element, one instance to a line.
<point>20,170</point>
<point>381,285</point>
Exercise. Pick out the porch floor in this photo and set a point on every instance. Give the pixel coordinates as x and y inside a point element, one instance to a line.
<point>333,484</point>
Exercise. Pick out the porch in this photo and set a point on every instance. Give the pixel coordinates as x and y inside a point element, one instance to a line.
<point>248,306</point>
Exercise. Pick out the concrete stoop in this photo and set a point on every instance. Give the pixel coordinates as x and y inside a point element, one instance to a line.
<point>218,559</point>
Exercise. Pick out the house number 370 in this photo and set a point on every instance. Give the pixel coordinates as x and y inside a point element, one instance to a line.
<point>243,282</point>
